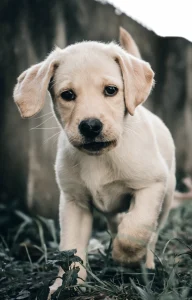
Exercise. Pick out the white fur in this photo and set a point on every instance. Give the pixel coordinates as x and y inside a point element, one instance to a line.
<point>140,163</point>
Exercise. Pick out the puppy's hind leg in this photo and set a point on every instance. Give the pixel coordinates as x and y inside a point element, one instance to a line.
<point>150,264</point>
<point>113,222</point>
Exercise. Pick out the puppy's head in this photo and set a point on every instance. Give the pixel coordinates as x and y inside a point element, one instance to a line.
<point>93,86</point>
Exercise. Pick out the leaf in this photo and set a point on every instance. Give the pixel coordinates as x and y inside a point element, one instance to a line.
<point>43,293</point>
<point>144,295</point>
<point>64,259</point>
<point>70,277</point>
<point>23,295</point>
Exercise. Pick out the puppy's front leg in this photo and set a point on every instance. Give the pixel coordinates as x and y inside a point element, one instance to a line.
<point>138,226</point>
<point>76,227</point>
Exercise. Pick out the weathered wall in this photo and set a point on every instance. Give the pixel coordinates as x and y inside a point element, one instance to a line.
<point>29,29</point>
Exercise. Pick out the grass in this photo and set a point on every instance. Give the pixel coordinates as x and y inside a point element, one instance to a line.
<point>29,260</point>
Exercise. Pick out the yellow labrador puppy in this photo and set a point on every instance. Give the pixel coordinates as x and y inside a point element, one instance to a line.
<point>110,146</point>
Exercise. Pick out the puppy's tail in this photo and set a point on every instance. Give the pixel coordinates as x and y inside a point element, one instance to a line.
<point>180,197</point>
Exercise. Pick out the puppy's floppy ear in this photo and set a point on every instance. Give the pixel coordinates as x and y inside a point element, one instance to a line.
<point>30,90</point>
<point>128,43</point>
<point>137,77</point>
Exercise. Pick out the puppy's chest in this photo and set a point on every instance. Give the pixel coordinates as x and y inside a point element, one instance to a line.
<point>106,185</point>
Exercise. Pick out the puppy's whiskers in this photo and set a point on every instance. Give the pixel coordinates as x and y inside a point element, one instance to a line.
<point>43,115</point>
<point>54,135</point>
<point>45,128</point>
<point>78,164</point>
<point>42,123</point>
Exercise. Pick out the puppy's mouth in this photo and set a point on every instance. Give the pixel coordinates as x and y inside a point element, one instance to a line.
<point>96,148</point>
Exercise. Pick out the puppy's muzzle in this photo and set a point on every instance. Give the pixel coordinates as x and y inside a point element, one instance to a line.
<point>90,128</point>
<point>94,143</point>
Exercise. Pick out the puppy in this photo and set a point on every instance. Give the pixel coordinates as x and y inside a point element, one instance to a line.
<point>110,146</point>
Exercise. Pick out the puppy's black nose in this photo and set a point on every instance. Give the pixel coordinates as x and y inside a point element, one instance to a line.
<point>90,128</point>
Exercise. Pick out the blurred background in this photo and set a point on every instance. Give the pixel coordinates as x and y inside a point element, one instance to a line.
<point>29,29</point>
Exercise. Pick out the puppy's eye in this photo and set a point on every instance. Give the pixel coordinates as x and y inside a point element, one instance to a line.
<point>68,95</point>
<point>110,90</point>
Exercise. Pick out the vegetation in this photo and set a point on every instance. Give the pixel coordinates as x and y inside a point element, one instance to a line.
<point>29,260</point>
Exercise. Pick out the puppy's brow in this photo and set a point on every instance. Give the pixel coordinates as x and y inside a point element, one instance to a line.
<point>111,80</point>
<point>63,85</point>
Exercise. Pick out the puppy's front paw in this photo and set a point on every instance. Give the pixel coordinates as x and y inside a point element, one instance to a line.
<point>54,287</point>
<point>130,247</point>
<point>127,253</point>
<point>150,264</point>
